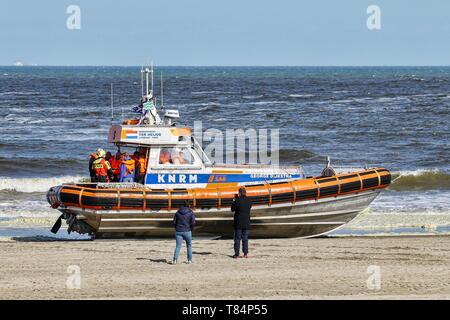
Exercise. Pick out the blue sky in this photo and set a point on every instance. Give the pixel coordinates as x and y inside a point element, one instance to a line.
<point>231,32</point>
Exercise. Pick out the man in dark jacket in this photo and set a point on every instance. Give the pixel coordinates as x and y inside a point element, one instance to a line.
<point>92,158</point>
<point>183,221</point>
<point>241,208</point>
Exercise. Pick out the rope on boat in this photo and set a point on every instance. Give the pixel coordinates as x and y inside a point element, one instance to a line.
<point>126,185</point>
<point>400,175</point>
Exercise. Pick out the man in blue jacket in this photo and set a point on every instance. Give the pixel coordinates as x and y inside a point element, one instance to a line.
<point>183,221</point>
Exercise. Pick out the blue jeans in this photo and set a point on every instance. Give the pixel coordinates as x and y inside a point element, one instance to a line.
<point>128,179</point>
<point>186,236</point>
<point>240,234</point>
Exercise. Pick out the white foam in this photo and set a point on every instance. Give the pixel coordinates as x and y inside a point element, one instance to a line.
<point>306,95</point>
<point>388,220</point>
<point>417,172</point>
<point>20,93</point>
<point>35,184</point>
<point>251,97</point>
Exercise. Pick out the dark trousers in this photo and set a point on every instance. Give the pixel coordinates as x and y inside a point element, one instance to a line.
<point>240,234</point>
<point>140,178</point>
<point>101,179</point>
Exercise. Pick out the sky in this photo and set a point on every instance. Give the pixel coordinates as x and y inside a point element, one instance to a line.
<point>225,33</point>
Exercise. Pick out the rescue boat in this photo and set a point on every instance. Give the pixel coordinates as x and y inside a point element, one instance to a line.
<point>285,202</point>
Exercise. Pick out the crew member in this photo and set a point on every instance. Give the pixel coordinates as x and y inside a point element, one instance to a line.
<point>92,158</point>
<point>141,169</point>
<point>135,156</point>
<point>102,168</point>
<point>108,157</point>
<point>115,166</point>
<point>177,157</point>
<point>127,169</point>
<point>164,156</point>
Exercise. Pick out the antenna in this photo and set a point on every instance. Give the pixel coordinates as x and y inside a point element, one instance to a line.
<point>142,81</point>
<point>152,77</point>
<point>162,92</point>
<point>146,82</point>
<point>112,103</point>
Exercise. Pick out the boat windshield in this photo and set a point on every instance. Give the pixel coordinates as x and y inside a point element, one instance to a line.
<point>176,156</point>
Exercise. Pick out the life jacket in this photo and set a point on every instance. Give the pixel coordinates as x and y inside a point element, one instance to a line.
<point>115,166</point>
<point>129,167</point>
<point>142,165</point>
<point>101,167</point>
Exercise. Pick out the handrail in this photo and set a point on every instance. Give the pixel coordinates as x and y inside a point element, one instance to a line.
<point>379,177</point>
<point>360,181</point>
<point>80,197</point>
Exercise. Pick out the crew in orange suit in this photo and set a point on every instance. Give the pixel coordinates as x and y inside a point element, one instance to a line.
<point>102,167</point>
<point>141,169</point>
<point>115,166</point>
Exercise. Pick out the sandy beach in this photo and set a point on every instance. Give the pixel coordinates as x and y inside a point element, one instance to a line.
<point>325,268</point>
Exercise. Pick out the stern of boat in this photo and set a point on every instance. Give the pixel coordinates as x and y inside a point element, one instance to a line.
<point>75,222</point>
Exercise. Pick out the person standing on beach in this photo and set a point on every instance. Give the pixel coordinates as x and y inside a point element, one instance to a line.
<point>184,222</point>
<point>241,207</point>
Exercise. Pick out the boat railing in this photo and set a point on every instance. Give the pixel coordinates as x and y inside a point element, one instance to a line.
<point>113,185</point>
<point>251,166</point>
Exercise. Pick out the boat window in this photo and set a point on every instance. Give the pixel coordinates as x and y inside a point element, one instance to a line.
<point>175,156</point>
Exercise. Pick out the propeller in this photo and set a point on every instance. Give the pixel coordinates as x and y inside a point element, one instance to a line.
<point>57,224</point>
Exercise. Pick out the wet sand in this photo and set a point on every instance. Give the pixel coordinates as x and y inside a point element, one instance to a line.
<point>325,268</point>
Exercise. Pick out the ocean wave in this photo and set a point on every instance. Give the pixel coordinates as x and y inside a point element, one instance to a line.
<point>370,220</point>
<point>209,107</point>
<point>294,156</point>
<point>28,220</point>
<point>8,165</point>
<point>200,93</point>
<point>306,95</point>
<point>252,97</point>
<point>29,185</point>
<point>420,179</point>
<point>20,93</point>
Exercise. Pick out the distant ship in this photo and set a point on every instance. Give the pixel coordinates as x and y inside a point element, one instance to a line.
<point>286,203</point>
<point>19,63</point>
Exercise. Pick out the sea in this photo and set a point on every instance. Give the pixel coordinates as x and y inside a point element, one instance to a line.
<point>52,118</point>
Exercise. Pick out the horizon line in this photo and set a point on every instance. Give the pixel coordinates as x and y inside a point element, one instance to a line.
<point>227,66</point>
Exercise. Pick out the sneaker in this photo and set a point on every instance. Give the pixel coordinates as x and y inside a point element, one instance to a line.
<point>174,261</point>
<point>246,256</point>
<point>189,262</point>
<point>236,257</point>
